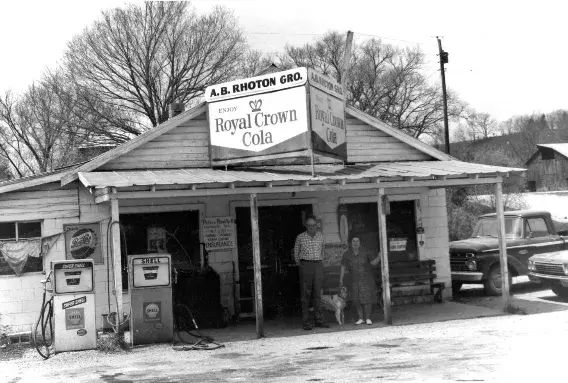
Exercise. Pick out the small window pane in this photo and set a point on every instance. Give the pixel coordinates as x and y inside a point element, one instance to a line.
<point>7,230</point>
<point>29,230</point>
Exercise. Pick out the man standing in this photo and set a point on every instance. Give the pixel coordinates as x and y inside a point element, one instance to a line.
<point>308,253</point>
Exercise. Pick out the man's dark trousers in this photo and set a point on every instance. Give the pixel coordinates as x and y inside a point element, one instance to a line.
<point>311,279</point>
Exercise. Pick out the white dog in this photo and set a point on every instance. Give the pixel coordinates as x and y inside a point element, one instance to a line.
<point>336,303</point>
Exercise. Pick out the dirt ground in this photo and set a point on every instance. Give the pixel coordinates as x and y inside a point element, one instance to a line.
<point>502,348</point>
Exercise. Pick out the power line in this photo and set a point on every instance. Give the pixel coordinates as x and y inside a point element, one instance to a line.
<point>323,34</point>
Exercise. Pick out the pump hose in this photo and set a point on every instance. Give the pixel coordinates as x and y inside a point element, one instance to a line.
<point>183,320</point>
<point>44,321</point>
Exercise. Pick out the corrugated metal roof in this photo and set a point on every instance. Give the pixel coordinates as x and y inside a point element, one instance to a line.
<point>560,148</point>
<point>291,173</point>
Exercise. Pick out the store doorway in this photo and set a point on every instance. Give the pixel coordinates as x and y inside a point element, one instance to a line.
<point>278,228</point>
<point>176,233</point>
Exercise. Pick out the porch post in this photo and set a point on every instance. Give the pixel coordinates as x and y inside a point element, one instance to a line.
<point>116,258</point>
<point>502,245</point>
<point>384,257</point>
<point>256,266</point>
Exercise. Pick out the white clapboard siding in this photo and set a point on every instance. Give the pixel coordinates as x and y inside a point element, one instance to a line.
<point>366,143</point>
<point>186,146</point>
<point>39,204</point>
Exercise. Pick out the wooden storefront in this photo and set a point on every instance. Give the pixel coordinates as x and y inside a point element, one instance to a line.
<point>165,178</point>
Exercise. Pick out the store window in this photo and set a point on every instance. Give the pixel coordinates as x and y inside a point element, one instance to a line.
<point>15,236</point>
<point>175,233</point>
<point>401,228</point>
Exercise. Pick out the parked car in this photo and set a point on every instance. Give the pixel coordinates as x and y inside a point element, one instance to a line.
<point>476,259</point>
<point>551,269</point>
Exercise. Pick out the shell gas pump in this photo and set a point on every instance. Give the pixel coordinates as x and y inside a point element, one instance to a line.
<point>74,306</point>
<point>150,287</point>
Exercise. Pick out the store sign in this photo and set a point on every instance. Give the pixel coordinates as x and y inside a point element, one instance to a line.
<point>218,233</point>
<point>271,116</point>
<point>257,125</point>
<point>256,85</point>
<point>83,241</point>
<point>325,83</point>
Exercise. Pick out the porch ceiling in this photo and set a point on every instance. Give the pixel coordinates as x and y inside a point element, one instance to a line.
<point>388,174</point>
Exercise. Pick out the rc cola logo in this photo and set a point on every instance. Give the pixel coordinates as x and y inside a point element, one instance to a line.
<point>255,105</point>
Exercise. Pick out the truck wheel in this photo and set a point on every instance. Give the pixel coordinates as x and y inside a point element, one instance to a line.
<point>456,286</point>
<point>559,290</point>
<point>492,285</point>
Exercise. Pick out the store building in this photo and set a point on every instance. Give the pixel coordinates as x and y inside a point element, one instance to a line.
<point>170,192</point>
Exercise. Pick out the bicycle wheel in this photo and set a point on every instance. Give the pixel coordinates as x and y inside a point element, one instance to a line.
<point>42,335</point>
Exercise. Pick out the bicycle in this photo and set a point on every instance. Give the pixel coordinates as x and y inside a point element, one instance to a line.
<point>45,320</point>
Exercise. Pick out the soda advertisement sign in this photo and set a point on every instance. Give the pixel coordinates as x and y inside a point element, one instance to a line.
<point>83,241</point>
<point>259,125</point>
<point>271,116</point>
<point>328,123</point>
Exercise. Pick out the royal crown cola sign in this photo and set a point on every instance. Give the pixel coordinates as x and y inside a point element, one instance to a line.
<point>271,116</point>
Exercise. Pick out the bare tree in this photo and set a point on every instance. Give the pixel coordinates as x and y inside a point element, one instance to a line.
<point>143,58</point>
<point>35,131</point>
<point>478,126</point>
<point>384,81</point>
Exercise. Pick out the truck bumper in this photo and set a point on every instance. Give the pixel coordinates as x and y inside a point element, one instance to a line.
<point>466,276</point>
<point>544,278</point>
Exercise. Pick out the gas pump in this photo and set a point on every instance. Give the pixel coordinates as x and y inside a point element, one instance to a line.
<point>74,306</point>
<point>150,287</point>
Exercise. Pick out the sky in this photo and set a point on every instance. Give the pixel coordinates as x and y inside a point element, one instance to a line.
<point>506,58</point>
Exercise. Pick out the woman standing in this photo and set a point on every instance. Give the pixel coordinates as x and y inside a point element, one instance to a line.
<point>360,263</point>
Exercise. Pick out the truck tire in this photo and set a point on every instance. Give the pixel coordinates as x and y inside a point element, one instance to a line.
<point>560,290</point>
<point>456,286</point>
<point>492,285</point>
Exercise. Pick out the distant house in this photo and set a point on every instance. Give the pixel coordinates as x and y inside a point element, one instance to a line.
<point>547,169</point>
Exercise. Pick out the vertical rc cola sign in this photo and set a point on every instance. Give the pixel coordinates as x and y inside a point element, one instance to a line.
<point>268,117</point>
<point>260,116</point>
<point>327,112</point>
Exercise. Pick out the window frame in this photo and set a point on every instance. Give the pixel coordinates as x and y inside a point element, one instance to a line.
<point>17,239</point>
<point>17,230</point>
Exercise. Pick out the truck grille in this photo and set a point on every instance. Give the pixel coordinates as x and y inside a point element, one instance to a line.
<point>457,261</point>
<point>548,268</point>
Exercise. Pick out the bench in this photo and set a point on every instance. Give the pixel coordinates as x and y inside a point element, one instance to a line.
<point>404,274</point>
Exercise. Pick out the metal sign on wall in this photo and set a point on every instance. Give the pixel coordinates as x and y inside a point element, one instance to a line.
<point>283,114</point>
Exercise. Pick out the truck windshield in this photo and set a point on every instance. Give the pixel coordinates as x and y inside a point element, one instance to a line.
<point>487,227</point>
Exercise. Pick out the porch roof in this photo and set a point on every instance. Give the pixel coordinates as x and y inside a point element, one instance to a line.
<point>294,174</point>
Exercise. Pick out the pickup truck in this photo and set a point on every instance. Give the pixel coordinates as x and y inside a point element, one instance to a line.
<point>551,269</point>
<point>476,259</point>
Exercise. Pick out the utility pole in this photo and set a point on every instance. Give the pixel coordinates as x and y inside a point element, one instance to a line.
<point>444,60</point>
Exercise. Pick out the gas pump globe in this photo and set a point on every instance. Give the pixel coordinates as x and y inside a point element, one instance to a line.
<point>74,306</point>
<point>150,287</point>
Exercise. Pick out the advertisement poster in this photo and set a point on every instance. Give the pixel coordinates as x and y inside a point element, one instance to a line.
<point>259,125</point>
<point>328,123</point>
<point>219,233</point>
<point>83,241</point>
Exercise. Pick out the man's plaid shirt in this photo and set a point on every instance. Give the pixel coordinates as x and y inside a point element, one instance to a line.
<point>308,248</point>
